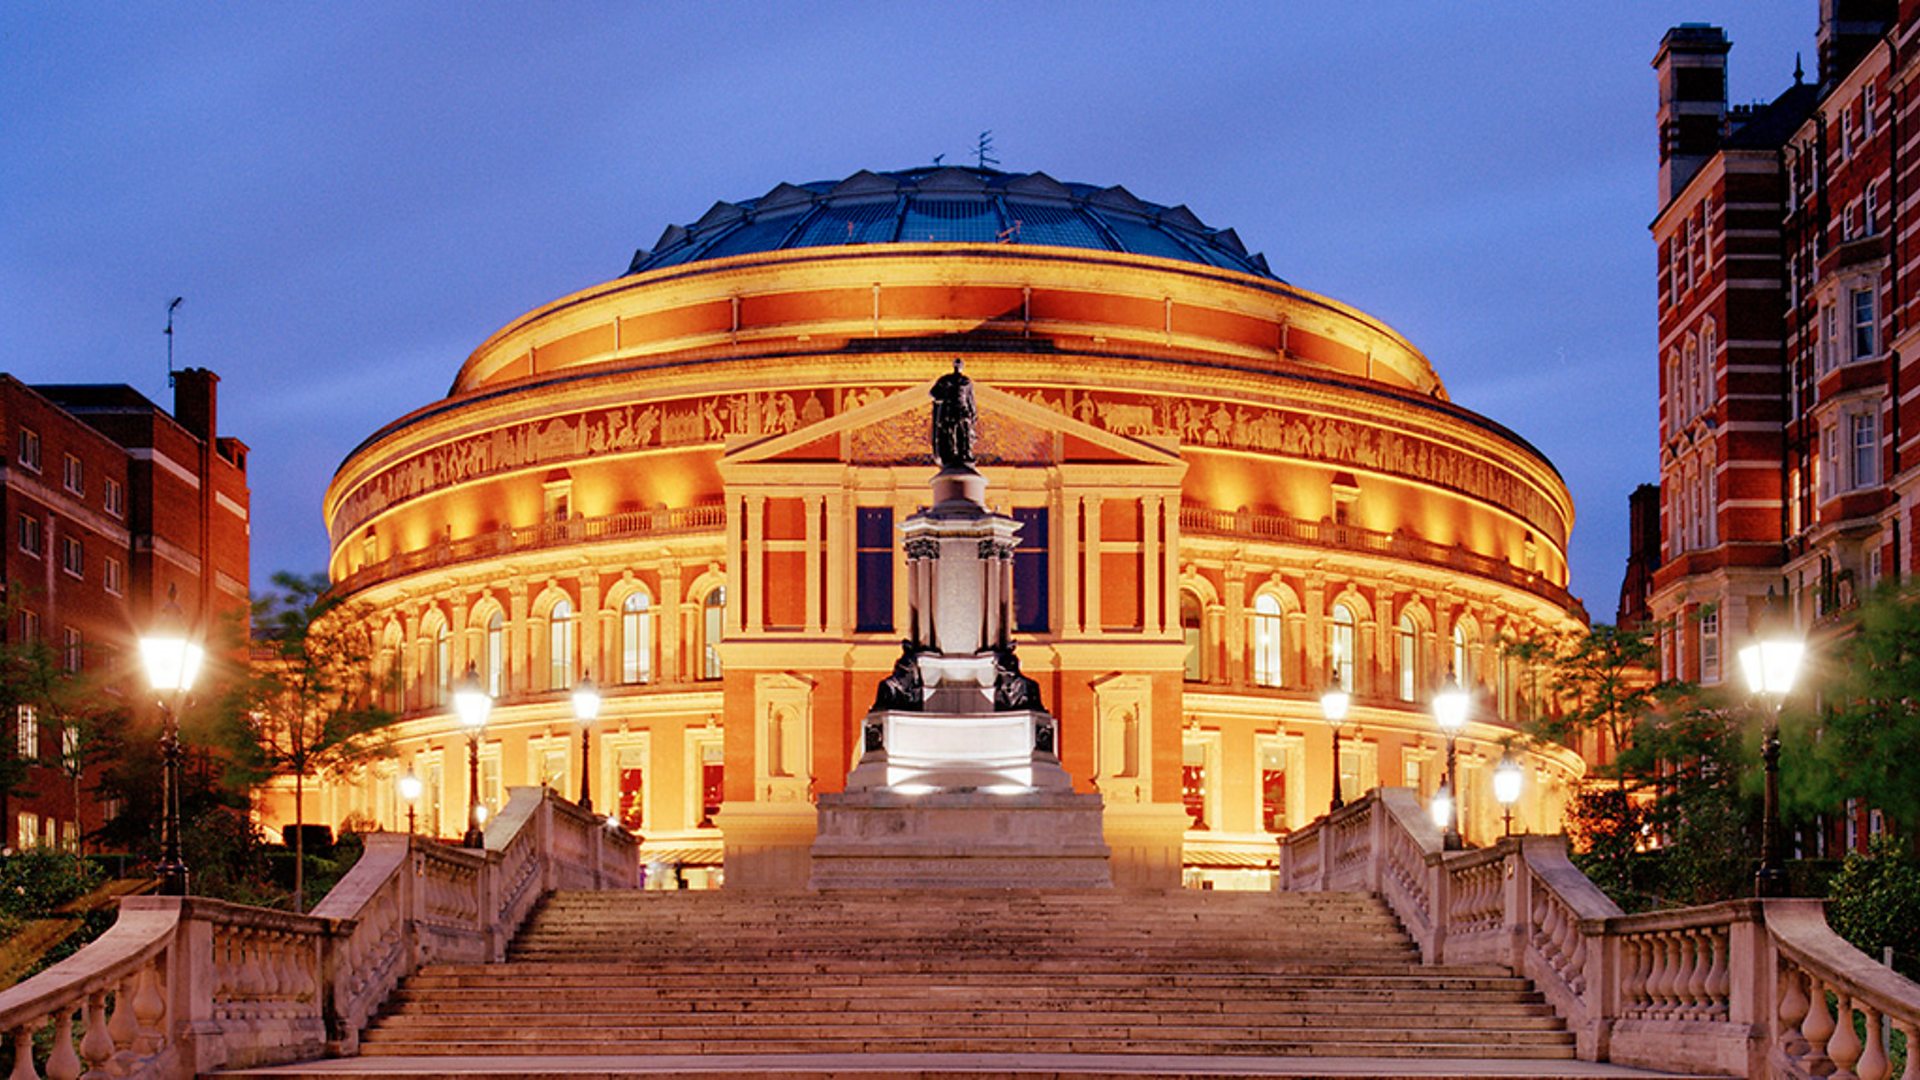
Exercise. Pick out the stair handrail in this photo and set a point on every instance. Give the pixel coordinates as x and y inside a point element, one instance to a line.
<point>199,984</point>
<point>1740,987</point>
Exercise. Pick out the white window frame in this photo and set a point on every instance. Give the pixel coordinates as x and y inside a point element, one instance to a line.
<point>26,732</point>
<point>73,474</point>
<point>1863,338</point>
<point>1269,640</point>
<point>29,455</point>
<point>636,638</point>
<point>111,575</point>
<point>113,497</point>
<point>30,535</point>
<point>73,556</point>
<point>560,646</point>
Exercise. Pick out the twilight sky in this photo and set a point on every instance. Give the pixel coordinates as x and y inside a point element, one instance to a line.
<point>352,196</point>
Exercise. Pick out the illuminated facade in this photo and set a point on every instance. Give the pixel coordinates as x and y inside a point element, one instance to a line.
<point>686,483</point>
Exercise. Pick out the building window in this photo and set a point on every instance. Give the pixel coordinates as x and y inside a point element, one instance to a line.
<point>1273,788</point>
<point>29,626</point>
<point>73,556</point>
<point>636,640</point>
<point>1871,213</point>
<point>1864,330</point>
<point>114,497</point>
<point>1864,430</point>
<point>1709,644</point>
<point>442,664</point>
<point>1703,388</point>
<point>1031,592</point>
<point>713,782</point>
<point>631,767</point>
<point>110,578</point>
<point>1461,674</point>
<point>30,535</point>
<point>73,475</point>
<point>1866,111</point>
<point>29,829</point>
<point>556,499</point>
<point>1267,640</point>
<point>494,663</point>
<point>560,646</point>
<point>26,732</point>
<point>1193,784</point>
<point>713,611</point>
<point>554,762</point>
<point>71,649</point>
<point>873,568</point>
<point>30,449</point>
<point>1828,349</point>
<point>1191,617</point>
<point>1409,680</point>
<point>1340,648</point>
<point>1830,483</point>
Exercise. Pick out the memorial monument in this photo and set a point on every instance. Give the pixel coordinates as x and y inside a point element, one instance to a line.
<point>959,783</point>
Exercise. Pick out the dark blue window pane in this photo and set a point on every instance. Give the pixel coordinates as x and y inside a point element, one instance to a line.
<point>1145,238</point>
<point>1030,571</point>
<point>762,235</point>
<point>861,223</point>
<point>958,220</point>
<point>1040,223</point>
<point>873,568</point>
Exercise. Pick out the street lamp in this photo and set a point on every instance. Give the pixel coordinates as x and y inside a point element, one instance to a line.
<point>172,659</point>
<point>1441,808</point>
<point>1333,705</point>
<point>470,700</point>
<point>410,791</point>
<point>586,708</point>
<point>1506,786</point>
<point>1450,708</point>
<point>1770,662</point>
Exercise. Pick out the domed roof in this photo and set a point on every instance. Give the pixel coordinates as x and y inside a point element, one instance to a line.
<point>950,204</point>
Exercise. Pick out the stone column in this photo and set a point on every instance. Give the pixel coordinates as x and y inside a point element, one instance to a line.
<point>736,575</point>
<point>1384,635</point>
<point>1091,554</point>
<point>1315,603</point>
<point>1170,560</point>
<point>812,504</point>
<point>519,640</point>
<point>590,637</point>
<point>755,595</point>
<point>839,556</point>
<point>1153,599</point>
<point>1235,597</point>
<point>1067,555</point>
<point>410,660</point>
<point>669,619</point>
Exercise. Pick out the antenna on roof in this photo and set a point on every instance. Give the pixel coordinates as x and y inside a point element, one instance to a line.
<point>174,303</point>
<point>938,158</point>
<point>983,151</point>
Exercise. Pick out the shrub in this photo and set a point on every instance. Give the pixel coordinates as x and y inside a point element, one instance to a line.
<point>1874,903</point>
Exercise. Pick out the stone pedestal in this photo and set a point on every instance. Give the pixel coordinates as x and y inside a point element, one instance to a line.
<point>960,840</point>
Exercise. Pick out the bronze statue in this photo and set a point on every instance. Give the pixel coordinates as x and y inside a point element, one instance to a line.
<point>1012,691</point>
<point>902,690</point>
<point>953,419</point>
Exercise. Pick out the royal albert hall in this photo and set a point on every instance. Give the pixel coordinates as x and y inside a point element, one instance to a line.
<point>686,484</point>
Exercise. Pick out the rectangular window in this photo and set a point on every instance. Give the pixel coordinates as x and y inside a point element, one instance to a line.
<point>1709,645</point>
<point>1828,348</point>
<point>26,732</point>
<point>110,579</point>
<point>73,475</point>
<point>73,556</point>
<point>30,449</point>
<point>30,535</point>
<point>71,649</point>
<point>631,766</point>
<point>490,783</point>
<point>1865,437</point>
<point>1866,111</point>
<point>553,767</point>
<point>1273,789</point>
<point>1870,215</point>
<point>1031,588</point>
<point>114,497</point>
<point>29,829</point>
<point>713,783</point>
<point>70,744</point>
<point>29,626</point>
<point>1863,324</point>
<point>1829,460</point>
<point>1193,785</point>
<point>873,568</point>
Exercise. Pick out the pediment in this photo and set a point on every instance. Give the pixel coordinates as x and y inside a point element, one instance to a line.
<point>881,427</point>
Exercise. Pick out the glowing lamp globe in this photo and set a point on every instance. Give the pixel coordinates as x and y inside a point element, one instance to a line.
<point>1442,807</point>
<point>470,700</point>
<point>409,786</point>
<point>1334,704</point>
<point>1450,708</point>
<point>1507,778</point>
<point>1771,663</point>
<point>586,701</point>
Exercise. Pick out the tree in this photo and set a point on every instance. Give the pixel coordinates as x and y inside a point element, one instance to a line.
<point>1697,755</point>
<point>68,703</point>
<point>310,705</point>
<point>1869,745</point>
<point>1606,684</point>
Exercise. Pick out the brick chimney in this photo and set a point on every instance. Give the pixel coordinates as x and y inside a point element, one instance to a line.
<point>195,391</point>
<point>1848,28</point>
<point>1691,68</point>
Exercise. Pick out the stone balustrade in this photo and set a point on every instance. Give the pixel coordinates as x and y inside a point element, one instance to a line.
<point>182,985</point>
<point>1746,987</point>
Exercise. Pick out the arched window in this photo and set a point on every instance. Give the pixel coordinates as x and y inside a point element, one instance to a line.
<point>1703,394</point>
<point>1267,640</point>
<point>494,665</point>
<point>636,640</point>
<point>1461,674</point>
<point>1340,648</point>
<point>1675,390</point>
<point>442,664</point>
<point>1690,357</point>
<point>713,608</point>
<point>1409,650</point>
<point>560,647</point>
<point>1192,632</point>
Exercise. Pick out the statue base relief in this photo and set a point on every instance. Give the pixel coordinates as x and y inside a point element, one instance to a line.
<point>960,839</point>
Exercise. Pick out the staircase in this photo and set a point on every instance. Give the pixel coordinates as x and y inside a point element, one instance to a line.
<point>1154,977</point>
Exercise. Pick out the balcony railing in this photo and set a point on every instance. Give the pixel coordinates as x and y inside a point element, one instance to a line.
<point>514,539</point>
<point>1399,545</point>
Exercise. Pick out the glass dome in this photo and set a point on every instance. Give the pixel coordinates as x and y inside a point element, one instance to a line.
<point>950,204</point>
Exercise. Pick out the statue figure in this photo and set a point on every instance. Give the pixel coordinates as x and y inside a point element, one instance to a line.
<point>901,690</point>
<point>1012,691</point>
<point>953,418</point>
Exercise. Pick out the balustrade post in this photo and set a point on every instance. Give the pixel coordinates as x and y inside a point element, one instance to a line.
<point>1516,902</point>
<point>1752,974</point>
<point>1440,888</point>
<point>190,982</point>
<point>1376,838</point>
<point>543,826</point>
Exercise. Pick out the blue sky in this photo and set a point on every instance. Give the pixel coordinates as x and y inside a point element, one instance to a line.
<point>352,196</point>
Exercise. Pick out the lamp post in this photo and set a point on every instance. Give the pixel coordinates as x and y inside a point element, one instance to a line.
<point>1770,662</point>
<point>172,659</point>
<point>410,791</point>
<point>586,708</point>
<point>1506,786</point>
<point>470,700</point>
<point>1333,705</point>
<point>1441,808</point>
<point>1450,708</point>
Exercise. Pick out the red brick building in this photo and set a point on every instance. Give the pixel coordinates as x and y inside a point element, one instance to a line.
<point>109,503</point>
